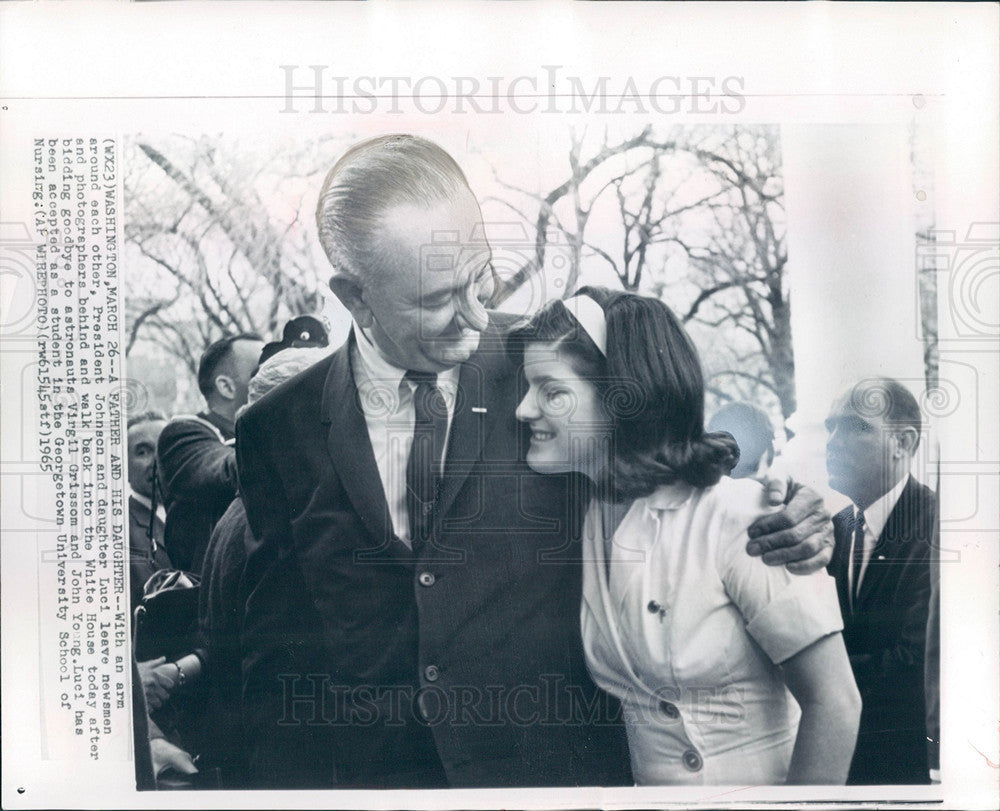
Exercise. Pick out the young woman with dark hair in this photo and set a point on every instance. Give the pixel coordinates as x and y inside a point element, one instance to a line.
<point>697,639</point>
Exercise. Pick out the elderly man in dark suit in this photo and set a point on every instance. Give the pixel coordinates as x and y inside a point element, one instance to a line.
<point>146,553</point>
<point>196,458</point>
<point>412,587</point>
<point>881,563</point>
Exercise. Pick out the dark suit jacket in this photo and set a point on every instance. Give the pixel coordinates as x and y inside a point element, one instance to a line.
<point>366,664</point>
<point>885,637</point>
<point>220,619</point>
<point>198,473</point>
<point>142,560</point>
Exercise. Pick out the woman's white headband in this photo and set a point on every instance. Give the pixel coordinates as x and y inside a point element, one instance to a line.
<point>590,316</point>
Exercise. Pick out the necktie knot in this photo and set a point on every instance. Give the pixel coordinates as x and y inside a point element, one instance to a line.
<point>428,402</point>
<point>421,378</point>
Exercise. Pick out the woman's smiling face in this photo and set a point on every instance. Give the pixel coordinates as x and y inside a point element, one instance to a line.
<point>570,428</point>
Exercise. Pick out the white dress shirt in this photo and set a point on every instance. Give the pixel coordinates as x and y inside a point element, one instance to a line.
<point>387,402</point>
<point>876,516</point>
<point>685,628</point>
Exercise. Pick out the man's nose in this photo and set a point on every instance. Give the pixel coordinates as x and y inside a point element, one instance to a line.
<point>470,312</point>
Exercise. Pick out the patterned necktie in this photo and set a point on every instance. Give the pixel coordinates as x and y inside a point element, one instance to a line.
<point>423,469</point>
<point>858,553</point>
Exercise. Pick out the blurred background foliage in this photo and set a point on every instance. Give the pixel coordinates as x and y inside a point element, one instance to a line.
<point>220,239</point>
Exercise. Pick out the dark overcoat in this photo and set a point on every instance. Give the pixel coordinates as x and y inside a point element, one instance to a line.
<point>196,465</point>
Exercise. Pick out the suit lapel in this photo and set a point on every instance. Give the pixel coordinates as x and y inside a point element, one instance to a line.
<point>471,424</point>
<point>842,523</point>
<point>888,550</point>
<point>351,452</point>
<point>139,511</point>
<point>142,516</point>
<point>350,448</point>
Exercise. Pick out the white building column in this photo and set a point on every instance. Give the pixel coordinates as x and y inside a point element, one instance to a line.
<point>851,273</point>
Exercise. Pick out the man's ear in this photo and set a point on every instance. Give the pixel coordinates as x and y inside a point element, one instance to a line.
<point>907,439</point>
<point>351,295</point>
<point>225,386</point>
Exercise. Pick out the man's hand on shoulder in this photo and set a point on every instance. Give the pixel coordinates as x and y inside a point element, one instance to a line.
<point>800,536</point>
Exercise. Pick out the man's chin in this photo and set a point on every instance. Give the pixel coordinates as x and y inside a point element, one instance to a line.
<point>838,482</point>
<point>453,353</point>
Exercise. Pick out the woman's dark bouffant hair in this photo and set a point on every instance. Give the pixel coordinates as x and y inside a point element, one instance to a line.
<point>651,385</point>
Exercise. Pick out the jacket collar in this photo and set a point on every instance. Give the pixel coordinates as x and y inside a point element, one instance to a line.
<point>225,425</point>
<point>147,507</point>
<point>347,437</point>
<point>350,449</point>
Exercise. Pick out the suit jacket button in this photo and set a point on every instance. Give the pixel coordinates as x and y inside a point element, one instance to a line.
<point>426,579</point>
<point>431,673</point>
<point>425,712</point>
<point>670,710</point>
<point>428,507</point>
<point>692,760</point>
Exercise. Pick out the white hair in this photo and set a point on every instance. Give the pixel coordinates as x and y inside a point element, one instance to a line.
<point>370,178</point>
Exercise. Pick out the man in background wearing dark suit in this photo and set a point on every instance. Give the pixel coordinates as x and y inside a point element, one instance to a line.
<point>146,553</point>
<point>412,588</point>
<point>881,564</point>
<point>220,605</point>
<point>196,458</point>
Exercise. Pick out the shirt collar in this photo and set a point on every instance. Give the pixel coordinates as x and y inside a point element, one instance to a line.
<point>143,500</point>
<point>670,496</point>
<point>879,511</point>
<point>161,512</point>
<point>373,368</point>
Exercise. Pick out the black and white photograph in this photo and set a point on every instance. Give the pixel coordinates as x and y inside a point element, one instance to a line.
<point>590,422</point>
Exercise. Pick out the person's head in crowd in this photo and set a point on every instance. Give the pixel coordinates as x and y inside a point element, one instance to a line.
<point>143,432</point>
<point>405,236</point>
<point>753,432</point>
<point>302,331</point>
<point>225,369</point>
<point>281,367</point>
<point>616,393</point>
<point>873,431</point>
